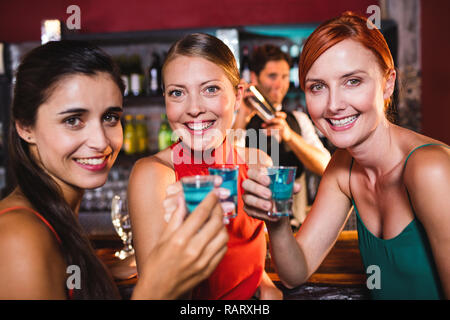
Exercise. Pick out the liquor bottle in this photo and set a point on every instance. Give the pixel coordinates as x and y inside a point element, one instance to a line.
<point>245,65</point>
<point>294,80</point>
<point>164,134</point>
<point>141,134</point>
<point>129,136</point>
<point>122,62</point>
<point>154,77</point>
<point>136,76</point>
<point>126,83</point>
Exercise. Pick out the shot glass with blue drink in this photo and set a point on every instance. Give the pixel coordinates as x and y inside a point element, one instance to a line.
<point>281,185</point>
<point>195,189</point>
<point>229,174</point>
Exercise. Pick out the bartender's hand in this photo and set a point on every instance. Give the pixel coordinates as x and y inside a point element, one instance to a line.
<point>279,124</point>
<point>257,195</point>
<point>187,253</point>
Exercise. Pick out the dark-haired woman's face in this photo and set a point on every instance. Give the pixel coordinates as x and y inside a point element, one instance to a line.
<point>77,135</point>
<point>345,92</point>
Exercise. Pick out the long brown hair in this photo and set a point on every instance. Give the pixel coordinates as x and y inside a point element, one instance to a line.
<point>37,75</point>
<point>347,26</point>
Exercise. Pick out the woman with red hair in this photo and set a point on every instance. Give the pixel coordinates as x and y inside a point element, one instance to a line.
<point>397,180</point>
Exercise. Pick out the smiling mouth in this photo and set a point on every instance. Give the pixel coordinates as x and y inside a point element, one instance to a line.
<point>95,161</point>
<point>344,121</point>
<point>199,126</point>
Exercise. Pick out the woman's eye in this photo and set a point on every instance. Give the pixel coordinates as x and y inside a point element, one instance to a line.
<point>73,122</point>
<point>175,93</point>
<point>353,82</point>
<point>212,89</point>
<point>112,118</point>
<point>316,87</point>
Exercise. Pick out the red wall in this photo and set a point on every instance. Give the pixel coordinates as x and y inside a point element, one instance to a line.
<point>435,69</point>
<point>20,20</point>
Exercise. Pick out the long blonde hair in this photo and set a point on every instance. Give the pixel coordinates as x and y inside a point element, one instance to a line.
<point>205,46</point>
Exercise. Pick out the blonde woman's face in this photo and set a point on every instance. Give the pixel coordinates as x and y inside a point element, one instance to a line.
<point>200,101</point>
<point>345,92</point>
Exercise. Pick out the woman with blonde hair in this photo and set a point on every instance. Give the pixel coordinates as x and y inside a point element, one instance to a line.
<point>201,90</point>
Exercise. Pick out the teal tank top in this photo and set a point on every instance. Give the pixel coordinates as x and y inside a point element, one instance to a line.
<point>406,265</point>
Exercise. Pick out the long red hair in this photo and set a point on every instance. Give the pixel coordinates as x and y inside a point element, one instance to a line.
<point>347,26</point>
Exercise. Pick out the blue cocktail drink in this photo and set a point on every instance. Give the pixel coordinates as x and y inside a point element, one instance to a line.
<point>229,176</point>
<point>281,185</point>
<point>195,189</point>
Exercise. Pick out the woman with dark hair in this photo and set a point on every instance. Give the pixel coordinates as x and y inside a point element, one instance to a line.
<point>201,91</point>
<point>65,135</point>
<point>396,179</point>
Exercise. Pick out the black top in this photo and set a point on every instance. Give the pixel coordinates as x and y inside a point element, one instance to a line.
<point>286,156</point>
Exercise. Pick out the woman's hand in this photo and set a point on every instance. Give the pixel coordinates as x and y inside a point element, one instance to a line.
<point>257,195</point>
<point>187,253</point>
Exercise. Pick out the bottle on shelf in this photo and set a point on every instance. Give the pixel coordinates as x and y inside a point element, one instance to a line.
<point>129,136</point>
<point>245,65</point>
<point>154,76</point>
<point>141,134</point>
<point>136,76</point>
<point>164,134</point>
<point>122,62</point>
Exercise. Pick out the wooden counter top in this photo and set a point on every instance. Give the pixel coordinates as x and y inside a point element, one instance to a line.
<point>342,266</point>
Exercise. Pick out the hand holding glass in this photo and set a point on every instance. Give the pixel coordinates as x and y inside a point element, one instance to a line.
<point>195,189</point>
<point>229,176</point>
<point>281,185</point>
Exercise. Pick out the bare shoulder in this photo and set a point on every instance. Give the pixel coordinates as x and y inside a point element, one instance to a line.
<point>338,170</point>
<point>430,163</point>
<point>32,262</point>
<point>427,180</point>
<point>159,164</point>
<point>21,226</point>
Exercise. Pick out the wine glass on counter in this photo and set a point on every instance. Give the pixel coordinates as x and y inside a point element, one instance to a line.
<point>121,222</point>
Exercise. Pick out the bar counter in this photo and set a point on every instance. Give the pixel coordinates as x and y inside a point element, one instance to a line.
<point>341,275</point>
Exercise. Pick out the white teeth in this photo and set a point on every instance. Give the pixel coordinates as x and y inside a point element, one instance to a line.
<point>91,161</point>
<point>199,125</point>
<point>343,122</point>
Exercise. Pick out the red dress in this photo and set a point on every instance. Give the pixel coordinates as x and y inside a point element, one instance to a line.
<point>239,273</point>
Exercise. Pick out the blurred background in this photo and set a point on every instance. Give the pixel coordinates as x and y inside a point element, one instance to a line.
<point>138,34</point>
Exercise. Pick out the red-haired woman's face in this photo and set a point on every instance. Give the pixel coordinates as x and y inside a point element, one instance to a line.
<point>345,92</point>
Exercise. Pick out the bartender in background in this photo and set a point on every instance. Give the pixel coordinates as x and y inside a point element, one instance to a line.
<point>292,133</point>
